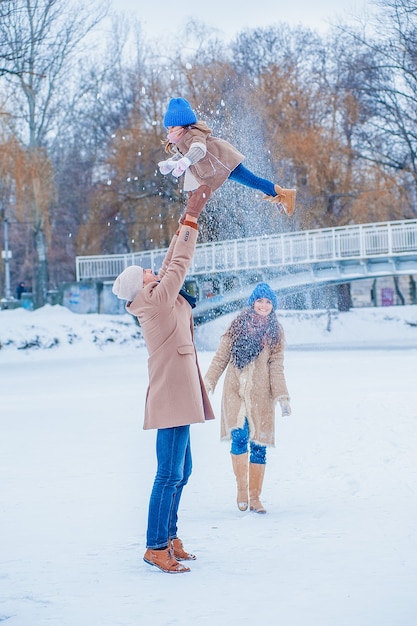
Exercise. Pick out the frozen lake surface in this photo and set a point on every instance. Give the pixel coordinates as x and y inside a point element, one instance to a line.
<point>337,546</point>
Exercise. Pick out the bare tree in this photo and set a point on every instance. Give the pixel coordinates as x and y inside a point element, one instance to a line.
<point>7,55</point>
<point>40,43</point>
<point>385,64</point>
<point>127,209</point>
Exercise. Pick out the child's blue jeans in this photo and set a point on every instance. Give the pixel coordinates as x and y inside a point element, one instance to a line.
<point>242,175</point>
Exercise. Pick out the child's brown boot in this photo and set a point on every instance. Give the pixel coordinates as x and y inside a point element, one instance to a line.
<point>285,197</point>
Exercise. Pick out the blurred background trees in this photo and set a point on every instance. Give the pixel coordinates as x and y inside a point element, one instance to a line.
<point>82,99</point>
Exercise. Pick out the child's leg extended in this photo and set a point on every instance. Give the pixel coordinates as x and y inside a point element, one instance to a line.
<point>242,175</point>
<point>273,193</point>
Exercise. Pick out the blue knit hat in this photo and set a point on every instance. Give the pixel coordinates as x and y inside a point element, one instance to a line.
<point>263,290</point>
<point>179,113</point>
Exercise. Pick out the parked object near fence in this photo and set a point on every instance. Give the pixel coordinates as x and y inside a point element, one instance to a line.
<point>81,297</point>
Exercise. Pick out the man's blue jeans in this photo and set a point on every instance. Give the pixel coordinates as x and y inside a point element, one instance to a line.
<point>173,453</point>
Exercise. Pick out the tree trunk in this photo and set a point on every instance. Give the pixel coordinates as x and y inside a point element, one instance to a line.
<point>344,300</point>
<point>374,297</point>
<point>398,290</point>
<point>413,290</point>
<point>41,273</point>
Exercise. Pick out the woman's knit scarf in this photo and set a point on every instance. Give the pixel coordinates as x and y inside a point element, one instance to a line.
<point>250,333</point>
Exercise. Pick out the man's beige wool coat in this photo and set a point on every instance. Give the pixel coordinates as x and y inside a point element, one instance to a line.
<point>176,395</point>
<point>250,392</point>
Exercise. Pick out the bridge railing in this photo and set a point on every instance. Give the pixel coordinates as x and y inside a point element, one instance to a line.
<point>359,241</point>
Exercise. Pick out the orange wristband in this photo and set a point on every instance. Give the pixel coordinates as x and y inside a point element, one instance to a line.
<point>191,224</point>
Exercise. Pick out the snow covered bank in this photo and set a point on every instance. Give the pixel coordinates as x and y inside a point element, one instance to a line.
<point>357,328</point>
<point>56,328</point>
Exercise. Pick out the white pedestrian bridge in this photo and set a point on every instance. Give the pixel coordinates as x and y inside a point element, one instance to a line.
<point>287,261</point>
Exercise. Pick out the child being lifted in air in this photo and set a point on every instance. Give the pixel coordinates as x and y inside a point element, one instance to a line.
<point>208,161</point>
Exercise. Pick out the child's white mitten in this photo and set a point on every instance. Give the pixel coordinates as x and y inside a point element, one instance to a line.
<point>165,167</point>
<point>182,165</point>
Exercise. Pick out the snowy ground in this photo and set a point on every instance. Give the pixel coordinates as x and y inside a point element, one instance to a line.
<point>337,546</point>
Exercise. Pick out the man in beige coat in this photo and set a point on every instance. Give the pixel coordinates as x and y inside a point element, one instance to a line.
<point>176,396</point>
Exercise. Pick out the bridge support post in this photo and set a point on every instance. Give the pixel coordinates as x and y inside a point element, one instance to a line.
<point>344,299</point>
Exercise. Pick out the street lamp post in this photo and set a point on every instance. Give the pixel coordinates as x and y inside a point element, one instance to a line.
<point>6,254</point>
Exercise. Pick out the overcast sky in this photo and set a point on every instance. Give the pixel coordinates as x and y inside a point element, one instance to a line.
<point>165,17</point>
